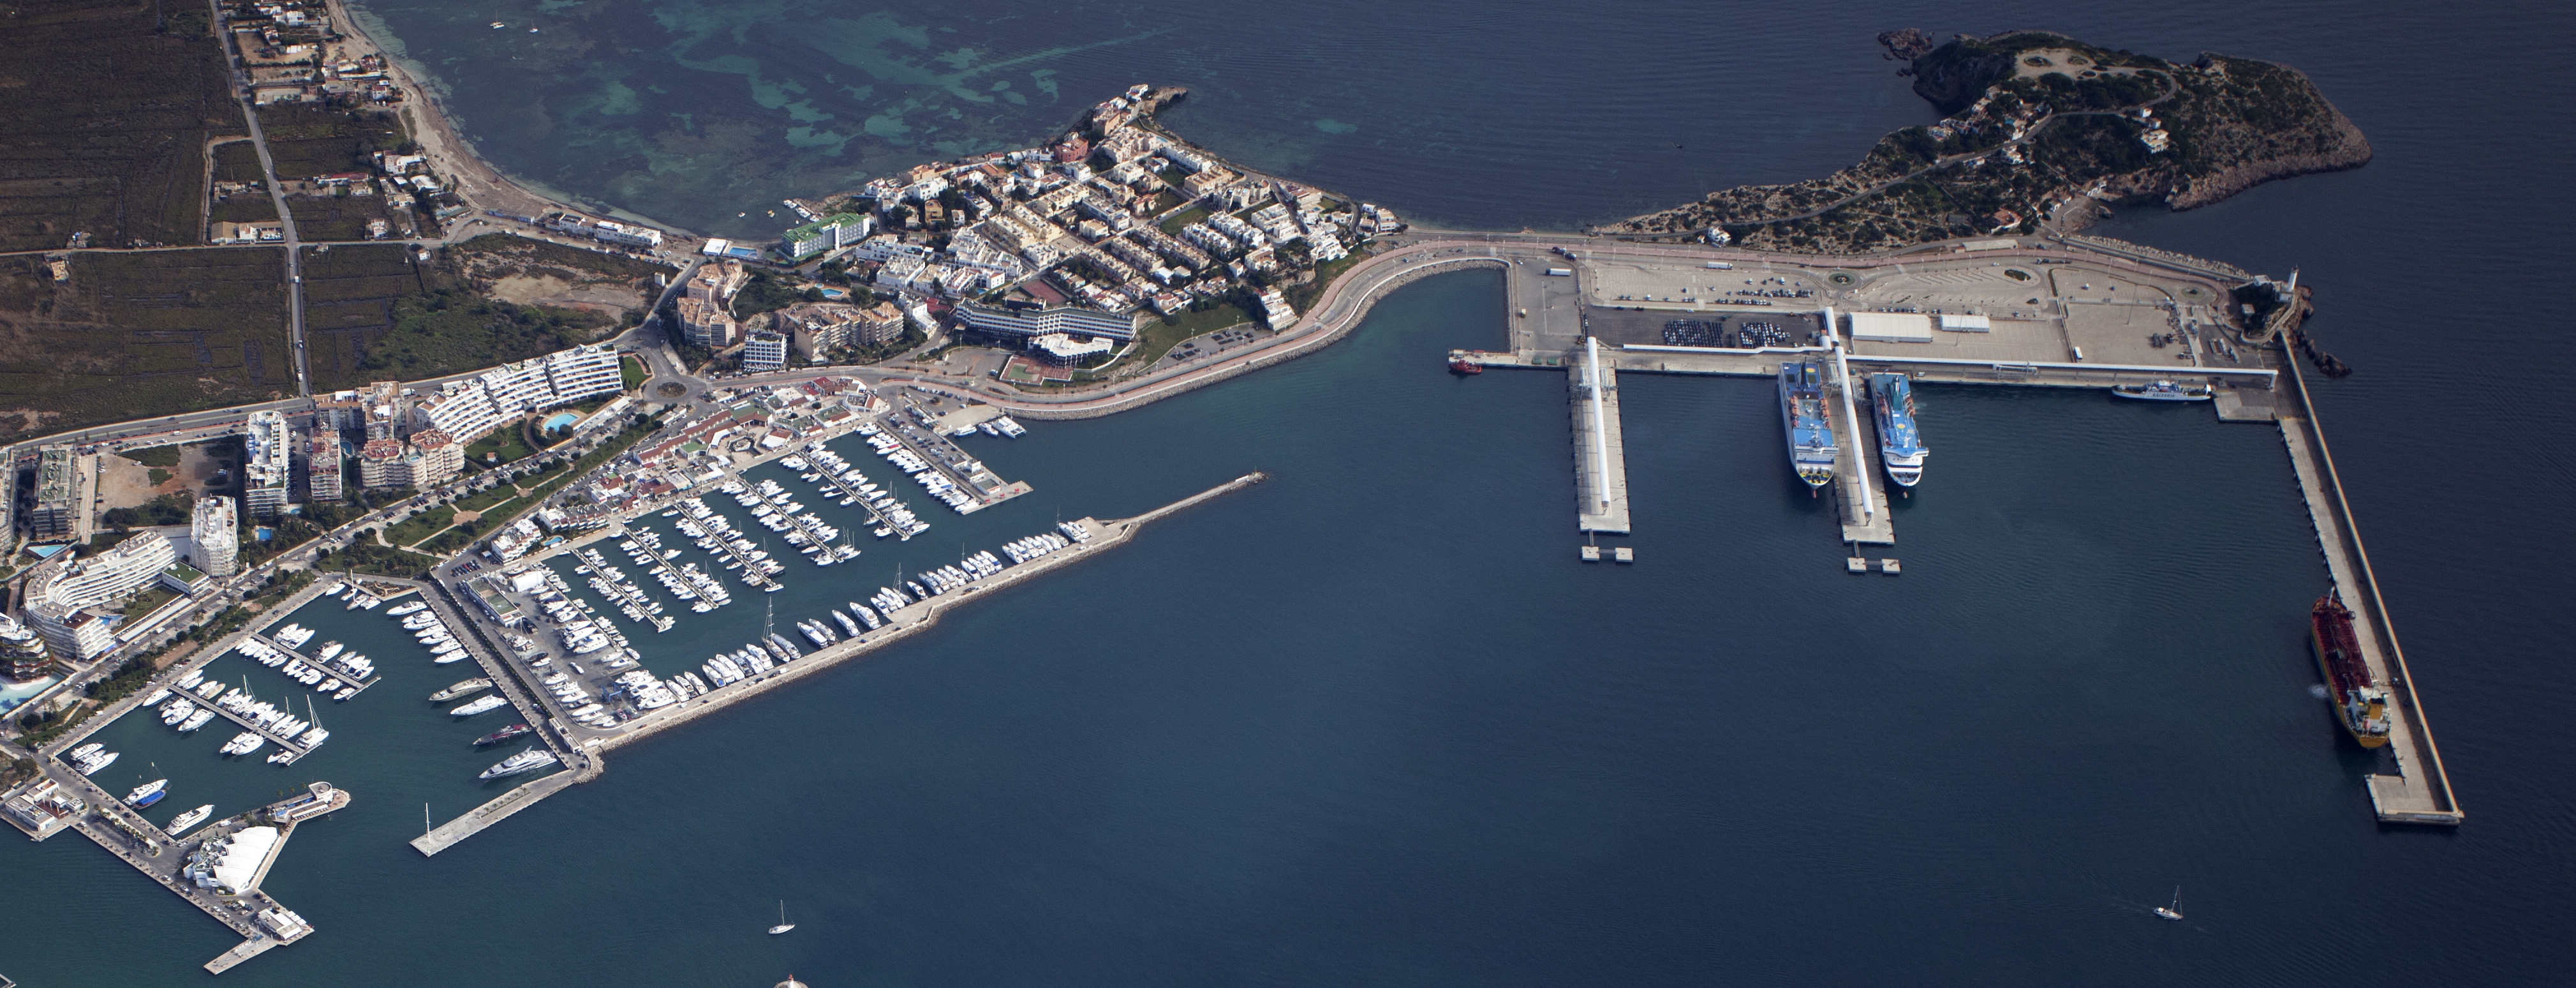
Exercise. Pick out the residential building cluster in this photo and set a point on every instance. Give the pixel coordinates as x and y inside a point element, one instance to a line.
<point>285,49</point>
<point>1091,228</point>
<point>605,231</point>
<point>418,440</point>
<point>706,305</point>
<point>64,597</point>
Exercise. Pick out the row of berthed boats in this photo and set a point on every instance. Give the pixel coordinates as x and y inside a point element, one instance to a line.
<point>333,672</point>
<point>775,508</point>
<point>715,533</point>
<point>579,627</point>
<point>685,581</point>
<point>929,477</point>
<point>629,599</point>
<point>433,634</point>
<point>820,465</point>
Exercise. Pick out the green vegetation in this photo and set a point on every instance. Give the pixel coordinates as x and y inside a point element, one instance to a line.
<point>455,540</point>
<point>507,441</point>
<point>420,527</point>
<point>238,161</point>
<point>2227,124</point>
<point>631,371</point>
<point>1302,297</point>
<point>1183,219</point>
<point>305,140</point>
<point>482,501</point>
<point>368,557</point>
<point>373,311</point>
<point>766,292</point>
<point>109,111</point>
<point>142,334</point>
<point>157,456</point>
<point>168,509</point>
<point>145,601</point>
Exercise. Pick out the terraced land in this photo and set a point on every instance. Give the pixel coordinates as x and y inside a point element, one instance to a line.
<point>107,127</point>
<point>134,335</point>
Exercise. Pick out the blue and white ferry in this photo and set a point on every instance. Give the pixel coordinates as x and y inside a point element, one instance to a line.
<point>1900,444</point>
<point>1810,430</point>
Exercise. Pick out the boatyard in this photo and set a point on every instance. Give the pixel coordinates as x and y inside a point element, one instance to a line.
<point>1840,334</point>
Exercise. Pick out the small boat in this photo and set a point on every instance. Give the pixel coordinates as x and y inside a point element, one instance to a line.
<point>460,689</point>
<point>478,706</point>
<point>2162,391</point>
<point>147,793</point>
<point>450,658</point>
<point>783,925</point>
<point>2173,911</point>
<point>1464,367</point>
<point>183,821</point>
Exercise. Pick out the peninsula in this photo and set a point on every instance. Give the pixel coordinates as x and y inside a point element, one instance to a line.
<point>2040,130</point>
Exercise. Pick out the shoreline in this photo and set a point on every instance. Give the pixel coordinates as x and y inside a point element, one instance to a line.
<point>432,125</point>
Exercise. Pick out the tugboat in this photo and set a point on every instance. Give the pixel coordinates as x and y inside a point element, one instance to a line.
<point>1463,367</point>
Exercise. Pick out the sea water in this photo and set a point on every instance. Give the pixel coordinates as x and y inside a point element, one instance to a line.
<point>1372,723</point>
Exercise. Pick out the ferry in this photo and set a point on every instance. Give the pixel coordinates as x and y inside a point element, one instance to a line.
<point>460,689</point>
<point>2162,391</point>
<point>1810,428</point>
<point>503,734</point>
<point>528,760</point>
<point>2358,699</point>
<point>147,793</point>
<point>1900,444</point>
<point>478,706</point>
<point>183,821</point>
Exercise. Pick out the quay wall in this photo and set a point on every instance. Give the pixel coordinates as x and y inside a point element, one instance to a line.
<point>924,615</point>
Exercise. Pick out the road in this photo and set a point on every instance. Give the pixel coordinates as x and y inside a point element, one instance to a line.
<point>276,194</point>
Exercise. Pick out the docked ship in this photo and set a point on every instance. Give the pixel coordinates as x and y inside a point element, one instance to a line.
<point>2162,391</point>
<point>1463,367</point>
<point>2358,699</point>
<point>528,760</point>
<point>460,689</point>
<point>147,793</point>
<point>503,734</point>
<point>478,706</point>
<point>189,819</point>
<point>1803,417</point>
<point>1900,444</point>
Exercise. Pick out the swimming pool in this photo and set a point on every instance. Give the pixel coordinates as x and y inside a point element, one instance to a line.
<point>561,420</point>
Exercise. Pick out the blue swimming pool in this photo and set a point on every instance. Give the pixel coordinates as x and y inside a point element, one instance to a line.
<point>561,420</point>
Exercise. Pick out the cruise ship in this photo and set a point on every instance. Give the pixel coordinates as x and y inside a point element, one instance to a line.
<point>1900,444</point>
<point>1803,416</point>
<point>528,760</point>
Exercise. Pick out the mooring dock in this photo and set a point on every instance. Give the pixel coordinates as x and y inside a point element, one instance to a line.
<point>2420,792</point>
<point>1600,461</point>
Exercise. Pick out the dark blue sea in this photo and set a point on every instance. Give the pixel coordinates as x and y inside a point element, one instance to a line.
<point>1371,723</point>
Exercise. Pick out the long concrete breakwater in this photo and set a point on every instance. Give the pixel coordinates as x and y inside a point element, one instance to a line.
<point>906,622</point>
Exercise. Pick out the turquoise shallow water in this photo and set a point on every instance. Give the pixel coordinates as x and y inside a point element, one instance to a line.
<point>1371,724</point>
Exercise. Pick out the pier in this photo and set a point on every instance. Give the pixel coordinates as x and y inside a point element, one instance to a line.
<point>1600,461</point>
<point>582,756</point>
<point>2420,792</point>
<point>2077,336</point>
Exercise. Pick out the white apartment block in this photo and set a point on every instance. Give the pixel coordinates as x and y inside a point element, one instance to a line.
<point>766,351</point>
<point>61,591</point>
<point>215,536</point>
<point>466,410</point>
<point>267,466</point>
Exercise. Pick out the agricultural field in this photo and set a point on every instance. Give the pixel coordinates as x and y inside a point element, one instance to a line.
<point>309,140</point>
<point>107,131</point>
<point>140,334</point>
